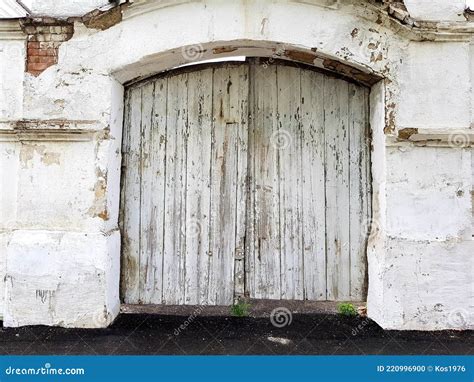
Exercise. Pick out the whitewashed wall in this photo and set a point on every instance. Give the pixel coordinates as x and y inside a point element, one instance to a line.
<point>62,8</point>
<point>12,67</point>
<point>437,10</point>
<point>60,206</point>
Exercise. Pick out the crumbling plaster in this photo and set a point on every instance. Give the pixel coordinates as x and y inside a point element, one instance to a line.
<point>61,134</point>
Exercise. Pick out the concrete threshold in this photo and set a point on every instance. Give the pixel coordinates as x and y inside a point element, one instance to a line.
<point>257,308</point>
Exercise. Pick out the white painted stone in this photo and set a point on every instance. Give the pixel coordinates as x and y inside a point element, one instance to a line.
<point>429,193</point>
<point>61,278</point>
<point>9,165</point>
<point>376,242</point>
<point>12,66</point>
<point>438,10</point>
<point>76,94</point>
<point>110,159</point>
<point>62,8</point>
<point>471,59</point>
<point>426,285</point>
<point>435,86</point>
<point>49,177</point>
<point>4,237</point>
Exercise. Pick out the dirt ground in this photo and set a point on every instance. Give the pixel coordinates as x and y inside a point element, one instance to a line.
<point>323,333</point>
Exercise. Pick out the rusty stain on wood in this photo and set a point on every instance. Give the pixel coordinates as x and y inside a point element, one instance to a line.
<point>301,56</point>
<point>224,49</point>
<point>351,72</point>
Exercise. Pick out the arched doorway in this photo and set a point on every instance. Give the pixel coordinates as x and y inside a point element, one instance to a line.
<point>245,179</point>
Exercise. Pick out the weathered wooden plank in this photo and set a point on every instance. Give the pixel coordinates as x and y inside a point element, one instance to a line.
<point>123,198</point>
<point>358,149</point>
<point>198,187</point>
<point>147,239</point>
<point>175,197</point>
<point>131,209</point>
<point>263,255</point>
<point>313,198</point>
<point>367,187</point>
<point>223,174</point>
<point>337,189</point>
<point>228,185</point>
<point>153,196</point>
<point>287,141</point>
<point>240,97</point>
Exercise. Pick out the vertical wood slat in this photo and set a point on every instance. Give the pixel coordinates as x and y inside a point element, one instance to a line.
<point>219,245</point>
<point>263,257</point>
<point>230,87</point>
<point>124,283</point>
<point>153,197</point>
<point>175,197</point>
<point>123,196</point>
<point>287,140</point>
<point>242,117</point>
<point>147,235</point>
<point>337,189</point>
<point>313,168</point>
<point>367,142</point>
<point>198,188</point>
<point>131,221</point>
<point>250,216</point>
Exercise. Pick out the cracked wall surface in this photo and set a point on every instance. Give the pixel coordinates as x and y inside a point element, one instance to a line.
<point>61,129</point>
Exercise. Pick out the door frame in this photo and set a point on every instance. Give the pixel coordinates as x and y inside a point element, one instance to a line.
<point>371,82</point>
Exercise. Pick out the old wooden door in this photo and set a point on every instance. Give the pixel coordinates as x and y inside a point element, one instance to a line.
<point>244,179</point>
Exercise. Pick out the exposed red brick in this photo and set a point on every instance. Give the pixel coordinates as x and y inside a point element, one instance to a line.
<point>43,59</point>
<point>38,66</point>
<point>50,52</point>
<point>34,45</point>
<point>45,35</point>
<point>33,52</point>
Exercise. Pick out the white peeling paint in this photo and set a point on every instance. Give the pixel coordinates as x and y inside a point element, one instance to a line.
<point>59,205</point>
